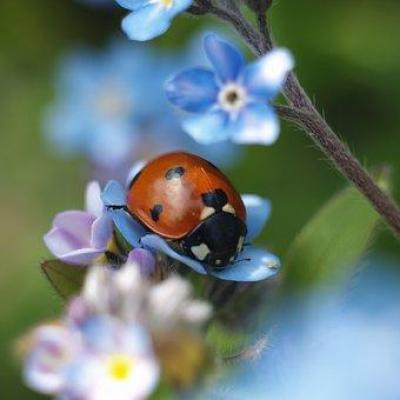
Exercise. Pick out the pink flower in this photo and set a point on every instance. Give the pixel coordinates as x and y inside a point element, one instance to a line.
<point>78,237</point>
<point>101,360</point>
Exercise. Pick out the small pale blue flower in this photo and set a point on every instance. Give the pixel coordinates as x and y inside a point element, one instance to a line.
<point>110,107</point>
<point>150,18</point>
<point>255,264</point>
<point>231,100</point>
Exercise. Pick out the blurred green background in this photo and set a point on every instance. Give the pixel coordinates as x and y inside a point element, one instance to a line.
<point>348,57</point>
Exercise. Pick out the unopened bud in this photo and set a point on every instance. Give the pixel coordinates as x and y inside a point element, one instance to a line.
<point>200,7</point>
<point>259,6</point>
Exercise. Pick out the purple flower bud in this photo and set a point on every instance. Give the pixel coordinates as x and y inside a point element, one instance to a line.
<point>145,259</point>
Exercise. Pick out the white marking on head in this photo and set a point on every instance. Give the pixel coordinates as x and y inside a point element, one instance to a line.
<point>218,262</point>
<point>229,209</point>
<point>201,251</point>
<point>206,212</point>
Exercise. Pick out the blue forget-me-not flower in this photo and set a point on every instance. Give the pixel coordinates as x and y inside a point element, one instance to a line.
<point>231,100</point>
<point>150,18</point>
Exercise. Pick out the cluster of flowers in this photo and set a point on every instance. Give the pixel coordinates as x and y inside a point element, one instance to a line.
<point>120,338</point>
<point>230,101</point>
<point>111,109</point>
<point>133,326</point>
<point>111,106</point>
<point>82,237</point>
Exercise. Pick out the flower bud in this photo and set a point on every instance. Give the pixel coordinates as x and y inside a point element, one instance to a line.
<point>259,6</point>
<point>199,7</point>
<point>144,259</point>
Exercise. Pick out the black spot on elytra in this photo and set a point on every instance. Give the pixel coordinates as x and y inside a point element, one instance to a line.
<point>135,178</point>
<point>156,211</point>
<point>175,172</point>
<point>215,199</point>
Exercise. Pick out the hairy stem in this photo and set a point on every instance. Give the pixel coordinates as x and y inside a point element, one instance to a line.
<point>303,113</point>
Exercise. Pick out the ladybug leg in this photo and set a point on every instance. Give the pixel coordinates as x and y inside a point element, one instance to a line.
<point>112,207</point>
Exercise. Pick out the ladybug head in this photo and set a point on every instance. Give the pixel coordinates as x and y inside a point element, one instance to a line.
<point>219,237</point>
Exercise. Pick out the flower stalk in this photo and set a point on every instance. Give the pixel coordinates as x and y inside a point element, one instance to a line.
<point>303,113</point>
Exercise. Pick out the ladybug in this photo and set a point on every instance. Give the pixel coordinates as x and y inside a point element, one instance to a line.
<point>192,204</point>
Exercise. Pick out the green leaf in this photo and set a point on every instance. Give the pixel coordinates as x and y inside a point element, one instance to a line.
<point>226,342</point>
<point>66,279</point>
<point>328,248</point>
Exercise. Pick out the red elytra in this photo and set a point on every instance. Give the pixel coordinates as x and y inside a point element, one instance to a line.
<point>167,195</point>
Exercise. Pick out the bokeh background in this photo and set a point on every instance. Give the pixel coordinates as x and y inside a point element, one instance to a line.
<point>347,55</point>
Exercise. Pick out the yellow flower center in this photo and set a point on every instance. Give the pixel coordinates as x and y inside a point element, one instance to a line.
<point>167,3</point>
<point>120,367</point>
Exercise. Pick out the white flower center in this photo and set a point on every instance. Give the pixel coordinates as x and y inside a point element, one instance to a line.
<point>120,367</point>
<point>232,97</point>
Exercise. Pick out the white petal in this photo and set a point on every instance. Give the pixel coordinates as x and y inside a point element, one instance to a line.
<point>93,203</point>
<point>257,124</point>
<point>196,312</point>
<point>96,290</point>
<point>166,300</point>
<point>266,76</point>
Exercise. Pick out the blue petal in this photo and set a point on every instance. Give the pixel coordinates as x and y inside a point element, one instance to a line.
<point>265,77</point>
<point>258,211</point>
<point>114,194</point>
<point>155,242</point>
<point>211,127</point>
<point>112,145</point>
<point>146,23</point>
<point>257,264</point>
<point>194,90</point>
<point>150,19</point>
<point>225,58</point>
<point>257,124</point>
<point>131,230</point>
<point>132,5</point>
